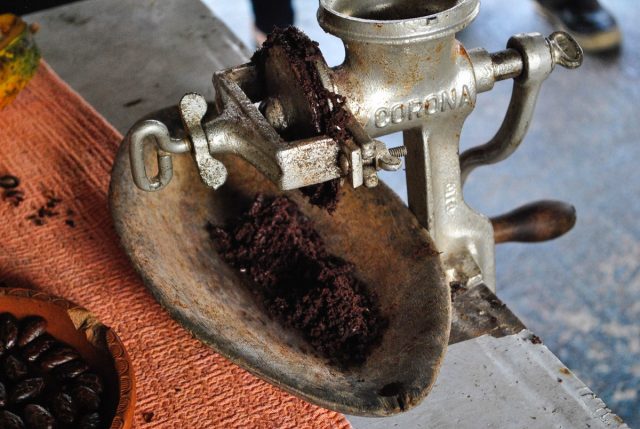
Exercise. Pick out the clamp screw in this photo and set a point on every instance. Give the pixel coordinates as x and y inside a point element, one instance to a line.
<point>398,152</point>
<point>370,177</point>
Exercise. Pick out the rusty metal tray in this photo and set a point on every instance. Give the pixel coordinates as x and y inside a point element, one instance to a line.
<point>164,236</point>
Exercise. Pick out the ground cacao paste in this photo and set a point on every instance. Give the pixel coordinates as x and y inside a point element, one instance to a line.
<point>299,282</point>
<point>328,114</point>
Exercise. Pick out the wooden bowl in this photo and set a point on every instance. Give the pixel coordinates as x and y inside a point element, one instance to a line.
<point>164,235</point>
<point>98,345</point>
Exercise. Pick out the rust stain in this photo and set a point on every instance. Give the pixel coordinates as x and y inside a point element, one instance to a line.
<point>411,77</point>
<point>459,51</point>
<point>565,371</point>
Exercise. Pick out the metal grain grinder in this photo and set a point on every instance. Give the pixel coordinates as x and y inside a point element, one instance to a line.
<point>404,71</point>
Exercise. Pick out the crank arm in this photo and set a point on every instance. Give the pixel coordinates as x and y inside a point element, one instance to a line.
<point>529,59</point>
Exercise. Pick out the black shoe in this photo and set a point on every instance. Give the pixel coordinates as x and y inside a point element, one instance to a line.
<point>593,27</point>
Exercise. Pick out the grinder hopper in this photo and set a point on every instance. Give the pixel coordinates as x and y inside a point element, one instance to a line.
<point>404,72</point>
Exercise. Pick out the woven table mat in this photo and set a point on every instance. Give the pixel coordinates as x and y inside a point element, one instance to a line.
<point>62,150</point>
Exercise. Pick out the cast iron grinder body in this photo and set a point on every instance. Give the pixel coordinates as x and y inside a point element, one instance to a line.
<point>404,71</point>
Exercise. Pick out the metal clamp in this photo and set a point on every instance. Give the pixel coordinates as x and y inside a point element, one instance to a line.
<point>144,133</point>
<point>193,107</point>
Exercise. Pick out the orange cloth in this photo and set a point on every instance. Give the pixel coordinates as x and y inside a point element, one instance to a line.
<point>58,145</point>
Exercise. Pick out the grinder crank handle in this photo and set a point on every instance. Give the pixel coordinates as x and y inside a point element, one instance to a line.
<point>534,222</point>
<point>529,59</point>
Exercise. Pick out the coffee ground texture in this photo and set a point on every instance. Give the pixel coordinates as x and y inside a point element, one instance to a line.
<point>299,282</point>
<point>328,113</point>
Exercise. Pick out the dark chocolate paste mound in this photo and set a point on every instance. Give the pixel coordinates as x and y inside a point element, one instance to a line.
<point>328,115</point>
<point>299,282</point>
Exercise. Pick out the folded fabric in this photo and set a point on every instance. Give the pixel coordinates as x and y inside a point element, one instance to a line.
<point>60,239</point>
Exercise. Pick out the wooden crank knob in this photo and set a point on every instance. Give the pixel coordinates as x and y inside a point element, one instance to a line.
<point>538,221</point>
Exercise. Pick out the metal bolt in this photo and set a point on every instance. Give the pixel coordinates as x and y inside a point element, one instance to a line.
<point>565,50</point>
<point>398,152</point>
<point>370,177</point>
<point>368,151</point>
<point>274,113</point>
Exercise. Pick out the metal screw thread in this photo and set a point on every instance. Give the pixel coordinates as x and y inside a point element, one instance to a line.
<point>398,152</point>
